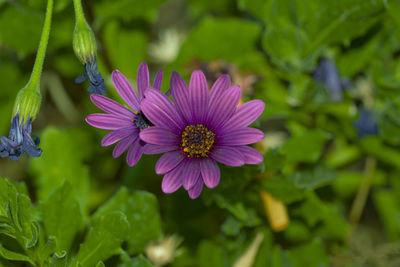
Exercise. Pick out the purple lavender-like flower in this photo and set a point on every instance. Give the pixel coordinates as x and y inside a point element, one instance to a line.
<point>95,79</point>
<point>328,75</point>
<point>125,123</point>
<point>366,123</point>
<point>19,141</point>
<point>198,130</point>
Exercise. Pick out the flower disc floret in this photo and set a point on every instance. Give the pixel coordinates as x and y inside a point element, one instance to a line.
<point>141,122</point>
<point>197,141</point>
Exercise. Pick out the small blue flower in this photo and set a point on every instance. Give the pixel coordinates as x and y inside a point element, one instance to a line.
<point>19,141</point>
<point>328,75</point>
<point>96,80</point>
<point>366,123</point>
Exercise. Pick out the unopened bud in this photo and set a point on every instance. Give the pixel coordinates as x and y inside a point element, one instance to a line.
<point>27,104</point>
<point>84,42</point>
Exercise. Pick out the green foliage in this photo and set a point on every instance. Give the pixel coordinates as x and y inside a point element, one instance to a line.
<point>215,38</point>
<point>127,9</point>
<point>104,239</point>
<point>62,216</point>
<point>63,161</point>
<point>306,147</point>
<point>141,210</point>
<point>16,24</point>
<point>62,220</point>
<point>139,261</point>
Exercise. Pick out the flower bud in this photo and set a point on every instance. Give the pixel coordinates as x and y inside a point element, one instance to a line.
<point>27,103</point>
<point>84,42</point>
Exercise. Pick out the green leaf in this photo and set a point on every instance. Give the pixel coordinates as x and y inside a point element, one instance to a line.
<point>62,216</point>
<point>18,215</point>
<point>139,261</point>
<point>118,42</point>
<point>283,189</point>
<point>141,210</point>
<point>373,145</point>
<point>296,33</point>
<point>20,29</point>
<point>127,9</point>
<point>210,254</point>
<point>324,218</point>
<point>348,182</point>
<point>306,147</point>
<point>388,209</point>
<point>104,239</point>
<point>312,179</point>
<point>301,256</point>
<point>213,38</point>
<point>59,260</point>
<point>9,255</point>
<point>280,258</point>
<point>62,161</point>
<point>297,231</point>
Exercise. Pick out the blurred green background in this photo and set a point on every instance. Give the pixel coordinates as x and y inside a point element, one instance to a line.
<point>319,155</point>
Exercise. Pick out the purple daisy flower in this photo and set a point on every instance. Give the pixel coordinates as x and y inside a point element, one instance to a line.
<point>200,129</point>
<point>125,123</point>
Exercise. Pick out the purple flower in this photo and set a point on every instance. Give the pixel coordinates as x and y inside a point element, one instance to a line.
<point>125,123</point>
<point>198,130</point>
<point>366,123</point>
<point>95,79</point>
<point>19,141</point>
<point>328,75</point>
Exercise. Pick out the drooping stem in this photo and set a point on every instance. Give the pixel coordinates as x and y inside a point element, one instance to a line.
<point>34,81</point>
<point>79,15</point>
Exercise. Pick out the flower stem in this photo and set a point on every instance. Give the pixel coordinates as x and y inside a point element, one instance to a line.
<point>34,80</point>
<point>79,15</point>
<point>362,194</point>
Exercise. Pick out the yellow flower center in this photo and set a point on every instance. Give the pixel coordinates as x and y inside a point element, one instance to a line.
<point>197,141</point>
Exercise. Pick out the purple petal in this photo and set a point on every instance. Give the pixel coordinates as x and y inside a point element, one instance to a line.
<point>165,104</point>
<point>198,96</point>
<point>158,80</point>
<point>125,90</point>
<point>239,137</point>
<point>117,135</point>
<point>228,156</point>
<point>223,109</point>
<point>110,106</point>
<point>250,155</point>
<point>151,149</point>
<point>135,152</point>
<point>108,121</point>
<point>191,173</point>
<point>159,136</point>
<point>195,191</point>
<point>173,179</point>
<point>180,94</point>
<point>123,145</point>
<point>220,85</point>
<point>142,79</point>
<point>244,115</point>
<point>168,161</point>
<point>159,117</point>
<point>210,172</point>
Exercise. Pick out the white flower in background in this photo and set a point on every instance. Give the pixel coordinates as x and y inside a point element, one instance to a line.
<point>166,49</point>
<point>164,250</point>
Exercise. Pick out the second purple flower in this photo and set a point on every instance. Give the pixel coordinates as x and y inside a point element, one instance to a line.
<point>125,123</point>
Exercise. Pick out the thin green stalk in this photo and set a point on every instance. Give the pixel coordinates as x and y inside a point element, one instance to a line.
<point>38,66</point>
<point>79,15</point>
<point>362,194</point>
